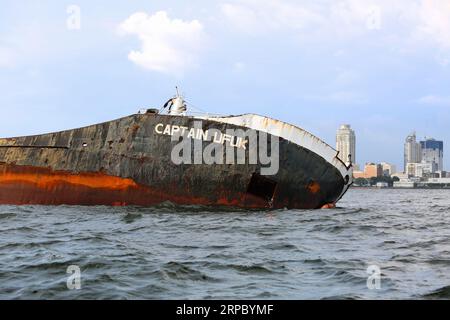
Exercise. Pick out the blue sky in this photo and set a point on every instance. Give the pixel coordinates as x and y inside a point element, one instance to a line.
<point>381,66</point>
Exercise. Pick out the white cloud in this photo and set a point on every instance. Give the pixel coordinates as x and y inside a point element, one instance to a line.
<point>434,17</point>
<point>260,16</point>
<point>344,16</point>
<point>435,100</point>
<point>168,45</point>
<point>401,22</point>
<point>350,17</point>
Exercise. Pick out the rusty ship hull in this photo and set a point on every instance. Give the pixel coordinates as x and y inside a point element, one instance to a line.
<point>125,162</point>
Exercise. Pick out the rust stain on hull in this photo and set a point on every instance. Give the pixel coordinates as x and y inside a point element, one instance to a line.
<point>50,180</point>
<point>313,187</point>
<point>21,185</point>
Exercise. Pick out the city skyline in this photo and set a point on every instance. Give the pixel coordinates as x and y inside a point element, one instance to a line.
<point>316,65</point>
<point>424,156</point>
<point>428,152</point>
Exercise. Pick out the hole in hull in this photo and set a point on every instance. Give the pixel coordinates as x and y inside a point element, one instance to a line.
<point>262,187</point>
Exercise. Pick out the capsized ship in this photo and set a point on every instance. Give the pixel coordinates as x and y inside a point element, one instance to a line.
<point>129,161</point>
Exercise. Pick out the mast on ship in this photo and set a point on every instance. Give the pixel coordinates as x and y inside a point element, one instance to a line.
<point>176,105</point>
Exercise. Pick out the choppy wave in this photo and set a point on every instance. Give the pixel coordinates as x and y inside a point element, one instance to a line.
<point>6,215</point>
<point>442,293</point>
<point>198,252</point>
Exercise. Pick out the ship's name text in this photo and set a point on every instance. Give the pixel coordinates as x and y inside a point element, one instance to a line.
<point>200,134</point>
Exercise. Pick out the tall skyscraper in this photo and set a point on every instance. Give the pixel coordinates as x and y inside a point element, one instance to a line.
<point>433,154</point>
<point>413,151</point>
<point>346,143</point>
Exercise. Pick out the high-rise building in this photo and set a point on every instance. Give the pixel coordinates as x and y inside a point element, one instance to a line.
<point>388,169</point>
<point>346,143</point>
<point>373,170</point>
<point>419,169</point>
<point>433,153</point>
<point>413,151</point>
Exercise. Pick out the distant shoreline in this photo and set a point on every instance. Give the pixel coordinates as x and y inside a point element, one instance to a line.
<point>401,188</point>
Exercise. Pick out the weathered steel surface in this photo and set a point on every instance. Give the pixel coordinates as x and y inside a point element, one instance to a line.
<point>123,162</point>
<point>291,133</point>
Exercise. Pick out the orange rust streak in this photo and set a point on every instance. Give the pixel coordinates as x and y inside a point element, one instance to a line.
<point>50,180</point>
<point>37,185</point>
<point>314,187</point>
